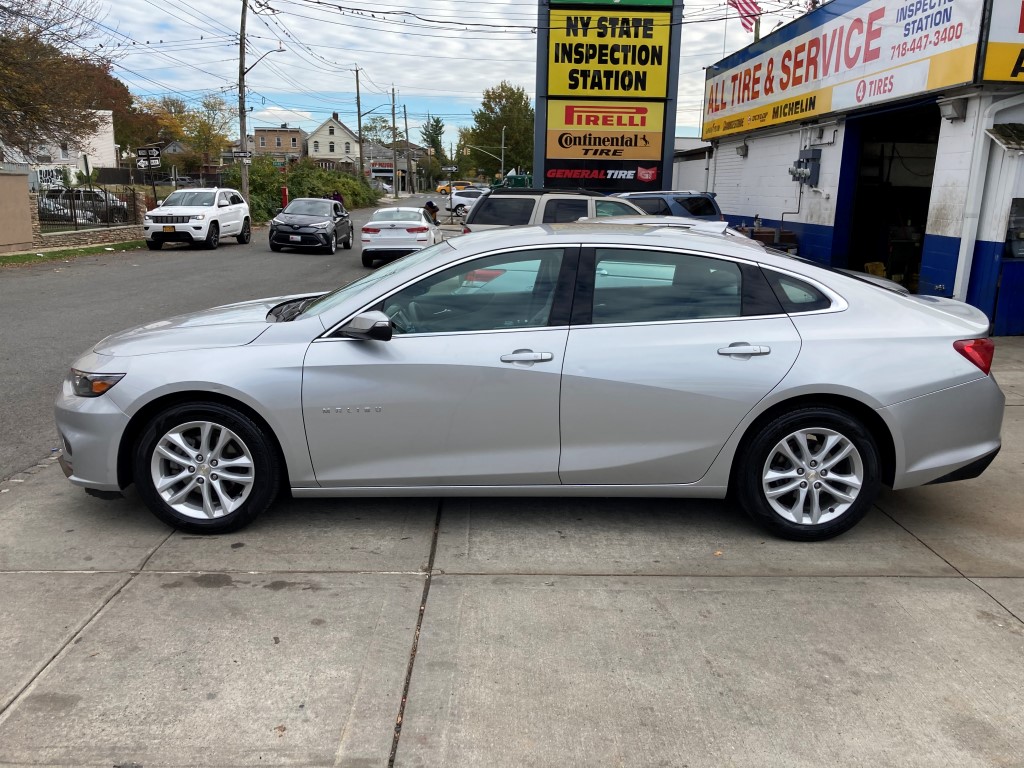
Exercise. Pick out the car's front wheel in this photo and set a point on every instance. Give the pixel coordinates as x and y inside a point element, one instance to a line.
<point>206,468</point>
<point>347,242</point>
<point>332,243</point>
<point>274,247</point>
<point>213,236</point>
<point>245,235</point>
<point>809,474</point>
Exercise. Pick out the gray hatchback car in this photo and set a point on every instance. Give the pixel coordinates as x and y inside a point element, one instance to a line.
<point>579,359</point>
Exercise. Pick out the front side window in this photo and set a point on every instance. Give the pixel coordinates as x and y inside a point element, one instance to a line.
<point>503,291</point>
<point>635,286</point>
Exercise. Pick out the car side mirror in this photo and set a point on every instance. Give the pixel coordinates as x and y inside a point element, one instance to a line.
<point>223,203</point>
<point>372,325</point>
<point>278,210</point>
<point>159,203</point>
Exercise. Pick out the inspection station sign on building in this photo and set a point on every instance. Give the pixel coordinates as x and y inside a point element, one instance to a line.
<point>605,90</point>
<point>846,54</point>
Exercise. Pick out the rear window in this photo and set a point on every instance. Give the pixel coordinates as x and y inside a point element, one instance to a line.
<point>698,206</point>
<point>652,205</point>
<point>507,211</point>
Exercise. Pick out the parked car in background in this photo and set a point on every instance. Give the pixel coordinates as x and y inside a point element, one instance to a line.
<point>462,200</point>
<point>394,232</point>
<point>198,216</point>
<point>444,188</point>
<point>52,209</point>
<point>589,360</point>
<point>510,207</point>
<point>311,222</point>
<point>697,205</point>
<point>99,203</point>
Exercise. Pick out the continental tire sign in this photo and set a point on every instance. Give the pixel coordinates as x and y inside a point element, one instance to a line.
<point>606,90</point>
<point>598,129</point>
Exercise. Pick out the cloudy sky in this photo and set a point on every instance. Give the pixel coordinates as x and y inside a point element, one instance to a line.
<point>439,56</point>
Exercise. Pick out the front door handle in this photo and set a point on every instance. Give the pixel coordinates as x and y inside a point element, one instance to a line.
<point>742,349</point>
<point>527,356</point>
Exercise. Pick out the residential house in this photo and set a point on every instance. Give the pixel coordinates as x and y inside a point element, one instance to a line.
<point>285,145</point>
<point>334,146</point>
<point>47,165</point>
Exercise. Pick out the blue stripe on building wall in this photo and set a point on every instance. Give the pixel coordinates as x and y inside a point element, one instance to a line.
<point>981,291</point>
<point>814,241</point>
<point>939,255</point>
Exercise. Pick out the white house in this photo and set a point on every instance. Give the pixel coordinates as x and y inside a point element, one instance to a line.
<point>333,145</point>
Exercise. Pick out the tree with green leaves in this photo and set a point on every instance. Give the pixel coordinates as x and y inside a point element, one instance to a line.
<point>432,135</point>
<point>378,129</point>
<point>205,128</point>
<point>504,106</point>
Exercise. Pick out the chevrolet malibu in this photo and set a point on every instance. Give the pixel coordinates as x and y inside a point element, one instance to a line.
<point>568,360</point>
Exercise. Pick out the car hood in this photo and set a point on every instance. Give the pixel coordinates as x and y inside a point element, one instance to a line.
<point>300,219</point>
<point>231,325</point>
<point>182,210</point>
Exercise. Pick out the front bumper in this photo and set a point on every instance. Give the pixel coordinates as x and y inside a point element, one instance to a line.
<point>90,430</point>
<point>306,238</point>
<point>187,232</point>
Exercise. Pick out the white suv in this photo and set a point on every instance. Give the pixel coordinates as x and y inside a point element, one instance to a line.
<point>198,216</point>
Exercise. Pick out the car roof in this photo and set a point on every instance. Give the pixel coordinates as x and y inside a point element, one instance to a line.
<point>528,191</point>
<point>655,220</point>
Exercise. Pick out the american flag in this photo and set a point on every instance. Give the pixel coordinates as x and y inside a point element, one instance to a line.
<point>747,9</point>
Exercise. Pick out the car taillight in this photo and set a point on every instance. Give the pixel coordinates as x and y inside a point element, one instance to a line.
<point>465,230</point>
<point>978,351</point>
<point>371,230</point>
<point>416,230</point>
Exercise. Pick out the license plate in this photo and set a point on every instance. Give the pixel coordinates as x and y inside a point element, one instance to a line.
<point>295,238</point>
<point>168,229</point>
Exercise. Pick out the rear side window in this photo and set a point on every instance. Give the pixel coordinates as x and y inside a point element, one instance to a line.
<point>633,286</point>
<point>509,211</point>
<point>698,206</point>
<point>795,295</point>
<point>561,211</point>
<point>612,208</point>
<point>652,205</point>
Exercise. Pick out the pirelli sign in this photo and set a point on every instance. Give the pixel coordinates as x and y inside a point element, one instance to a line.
<point>606,93</point>
<point>600,129</point>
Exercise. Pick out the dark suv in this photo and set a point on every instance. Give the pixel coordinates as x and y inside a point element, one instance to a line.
<point>694,205</point>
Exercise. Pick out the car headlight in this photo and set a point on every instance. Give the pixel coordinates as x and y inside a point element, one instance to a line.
<point>197,216</point>
<point>148,218</point>
<point>86,384</point>
<point>321,225</point>
<point>276,221</point>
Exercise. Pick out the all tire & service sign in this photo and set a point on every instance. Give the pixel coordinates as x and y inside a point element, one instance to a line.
<point>844,55</point>
<point>606,93</point>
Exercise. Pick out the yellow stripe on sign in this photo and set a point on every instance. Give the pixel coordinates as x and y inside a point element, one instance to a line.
<point>1004,62</point>
<point>778,112</point>
<point>952,67</point>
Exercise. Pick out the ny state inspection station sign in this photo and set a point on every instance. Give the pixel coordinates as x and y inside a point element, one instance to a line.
<point>606,93</point>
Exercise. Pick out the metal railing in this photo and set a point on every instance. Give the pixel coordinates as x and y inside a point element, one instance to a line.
<point>62,210</point>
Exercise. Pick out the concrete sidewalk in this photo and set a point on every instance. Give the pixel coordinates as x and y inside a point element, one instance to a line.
<point>517,632</point>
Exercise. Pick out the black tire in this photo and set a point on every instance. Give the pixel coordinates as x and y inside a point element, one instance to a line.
<point>349,239</point>
<point>202,485</point>
<point>332,243</point>
<point>460,210</point>
<point>212,236</point>
<point>367,261</point>
<point>154,245</point>
<point>789,513</point>
<point>275,247</point>
<point>245,235</point>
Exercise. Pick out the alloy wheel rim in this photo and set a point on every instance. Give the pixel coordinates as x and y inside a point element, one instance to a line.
<point>812,476</point>
<point>202,470</point>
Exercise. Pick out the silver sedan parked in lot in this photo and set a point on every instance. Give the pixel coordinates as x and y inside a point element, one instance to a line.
<point>580,359</point>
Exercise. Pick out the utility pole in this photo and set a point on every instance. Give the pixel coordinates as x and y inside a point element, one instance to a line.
<point>359,127</point>
<point>408,154</point>
<point>394,147</point>
<point>244,141</point>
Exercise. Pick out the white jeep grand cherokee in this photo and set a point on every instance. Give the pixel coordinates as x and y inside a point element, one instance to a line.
<point>198,216</point>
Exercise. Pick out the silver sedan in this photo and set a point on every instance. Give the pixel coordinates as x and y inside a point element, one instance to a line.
<point>582,359</point>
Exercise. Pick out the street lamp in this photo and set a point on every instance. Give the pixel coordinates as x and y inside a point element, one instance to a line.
<point>242,72</point>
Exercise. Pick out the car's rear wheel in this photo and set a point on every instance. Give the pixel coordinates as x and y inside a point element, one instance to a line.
<point>154,245</point>
<point>206,468</point>
<point>368,261</point>
<point>213,236</point>
<point>332,243</point>
<point>347,242</point>
<point>245,235</point>
<point>809,474</point>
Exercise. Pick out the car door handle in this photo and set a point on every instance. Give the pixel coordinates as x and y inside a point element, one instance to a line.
<point>527,356</point>
<point>742,349</point>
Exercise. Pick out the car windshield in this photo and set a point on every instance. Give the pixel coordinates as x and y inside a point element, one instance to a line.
<point>196,197</point>
<point>309,208</point>
<point>395,214</point>
<point>336,297</point>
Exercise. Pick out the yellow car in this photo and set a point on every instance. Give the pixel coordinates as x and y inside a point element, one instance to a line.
<point>443,189</point>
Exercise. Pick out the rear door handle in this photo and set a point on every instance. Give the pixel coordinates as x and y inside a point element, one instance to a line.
<point>742,349</point>
<point>527,356</point>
